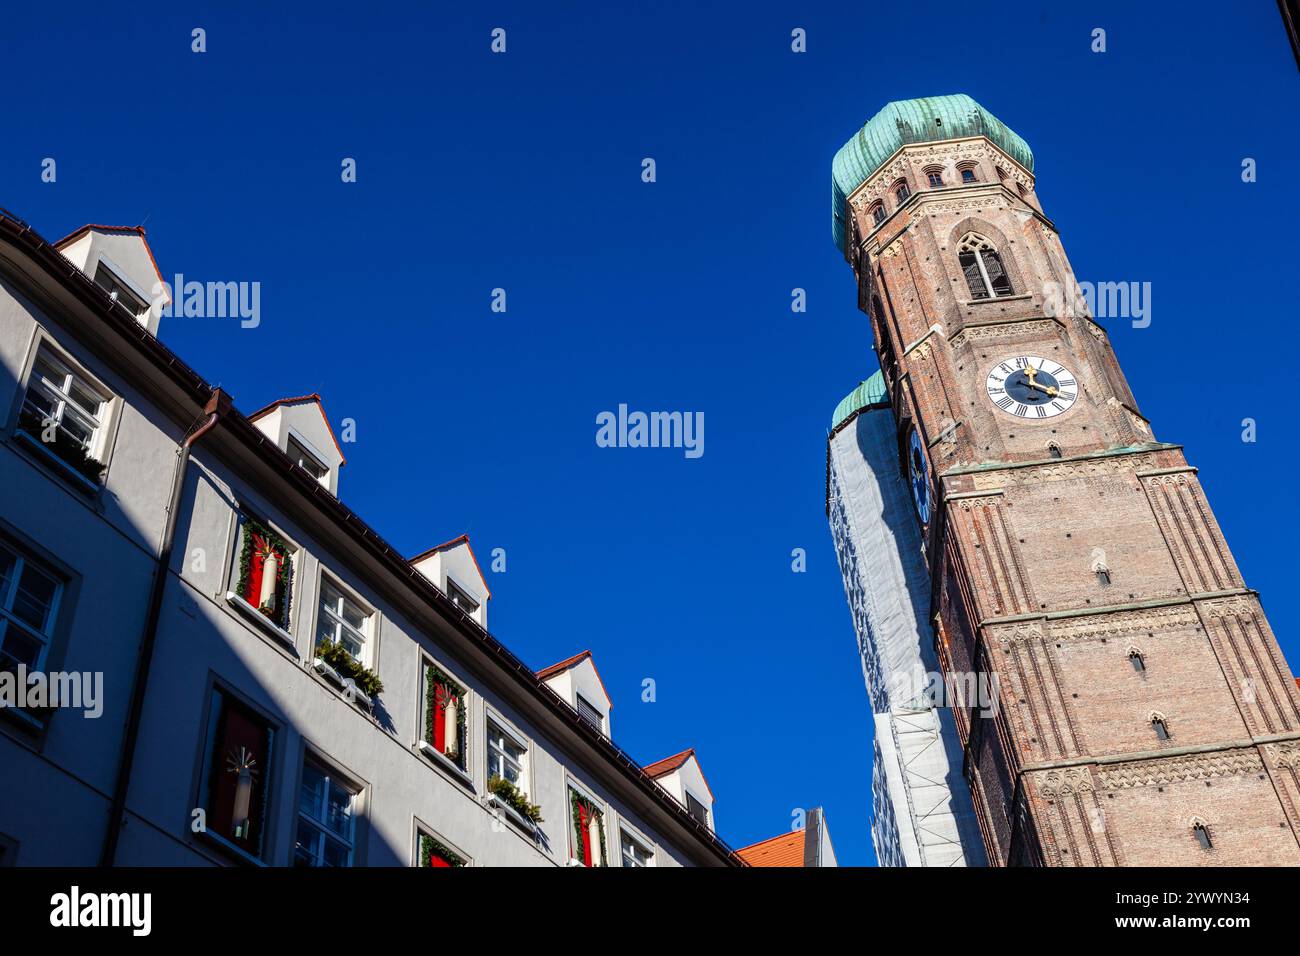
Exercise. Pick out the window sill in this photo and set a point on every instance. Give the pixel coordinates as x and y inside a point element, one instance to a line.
<point>346,685</point>
<point>227,848</point>
<point>1023,297</point>
<point>65,471</point>
<point>513,815</point>
<point>261,620</point>
<point>443,762</point>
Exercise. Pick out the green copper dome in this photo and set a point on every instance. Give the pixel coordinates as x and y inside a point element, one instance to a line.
<point>904,122</point>
<point>870,392</point>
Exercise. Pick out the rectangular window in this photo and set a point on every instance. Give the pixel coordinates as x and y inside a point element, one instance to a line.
<point>460,598</point>
<point>236,778</point>
<point>446,711</point>
<point>66,415</point>
<point>307,461</point>
<point>342,621</point>
<point>263,572</point>
<point>635,853</point>
<point>697,809</point>
<point>435,854</point>
<point>506,757</point>
<point>586,830</point>
<point>29,604</point>
<point>590,714</point>
<point>326,821</point>
<point>118,290</point>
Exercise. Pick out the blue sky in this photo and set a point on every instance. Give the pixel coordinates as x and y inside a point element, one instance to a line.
<point>522,171</point>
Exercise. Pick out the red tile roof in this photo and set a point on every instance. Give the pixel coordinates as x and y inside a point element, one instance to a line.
<point>574,661</point>
<point>463,539</point>
<point>783,850</point>
<point>313,397</point>
<point>666,766</point>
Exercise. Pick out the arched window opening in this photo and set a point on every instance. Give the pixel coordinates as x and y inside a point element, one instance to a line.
<point>982,266</point>
<point>934,177</point>
<point>968,174</point>
<point>902,193</point>
<point>1160,727</point>
<point>1138,661</point>
<point>1202,835</point>
<point>1103,577</point>
<point>1054,449</point>
<point>878,213</point>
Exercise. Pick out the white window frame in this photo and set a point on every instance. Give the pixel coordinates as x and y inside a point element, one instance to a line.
<point>625,832</point>
<point>242,515</point>
<point>61,396</point>
<point>10,592</point>
<point>493,719</point>
<point>366,634</point>
<point>324,833</point>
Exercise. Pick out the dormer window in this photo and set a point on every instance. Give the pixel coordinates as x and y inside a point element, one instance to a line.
<point>697,809</point>
<point>307,461</point>
<point>590,715</point>
<point>461,599</point>
<point>117,289</point>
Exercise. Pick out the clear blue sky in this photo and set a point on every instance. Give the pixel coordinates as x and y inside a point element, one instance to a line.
<point>522,171</point>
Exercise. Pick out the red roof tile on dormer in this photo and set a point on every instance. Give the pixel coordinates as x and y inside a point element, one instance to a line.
<point>313,397</point>
<point>463,539</point>
<point>666,766</point>
<point>574,661</point>
<point>138,230</point>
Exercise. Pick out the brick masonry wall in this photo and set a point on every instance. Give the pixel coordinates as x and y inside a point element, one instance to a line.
<point>1071,771</point>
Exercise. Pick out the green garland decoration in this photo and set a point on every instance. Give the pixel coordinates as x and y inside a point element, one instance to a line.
<point>337,657</point>
<point>429,847</point>
<point>575,802</point>
<point>284,573</point>
<point>512,795</point>
<point>433,677</point>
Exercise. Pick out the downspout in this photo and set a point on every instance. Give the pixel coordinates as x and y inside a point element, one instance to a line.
<point>218,404</point>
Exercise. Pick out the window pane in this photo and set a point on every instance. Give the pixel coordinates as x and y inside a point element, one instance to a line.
<point>304,851</point>
<point>336,854</point>
<point>20,646</point>
<point>310,797</point>
<point>47,369</point>
<point>35,598</point>
<point>7,562</point>
<point>339,813</point>
<point>85,399</point>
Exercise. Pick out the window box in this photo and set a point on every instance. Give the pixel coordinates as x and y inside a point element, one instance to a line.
<point>260,619</point>
<point>359,696</point>
<point>329,673</point>
<point>513,815</point>
<point>442,760</point>
<point>65,469</point>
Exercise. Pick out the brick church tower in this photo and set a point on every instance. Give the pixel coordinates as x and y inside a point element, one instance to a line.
<point>1145,714</point>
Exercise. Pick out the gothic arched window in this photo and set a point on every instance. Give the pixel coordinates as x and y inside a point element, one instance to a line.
<point>1138,661</point>
<point>1202,834</point>
<point>1160,727</point>
<point>982,266</point>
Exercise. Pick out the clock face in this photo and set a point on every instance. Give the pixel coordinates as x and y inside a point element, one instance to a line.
<point>1030,386</point>
<point>918,472</point>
